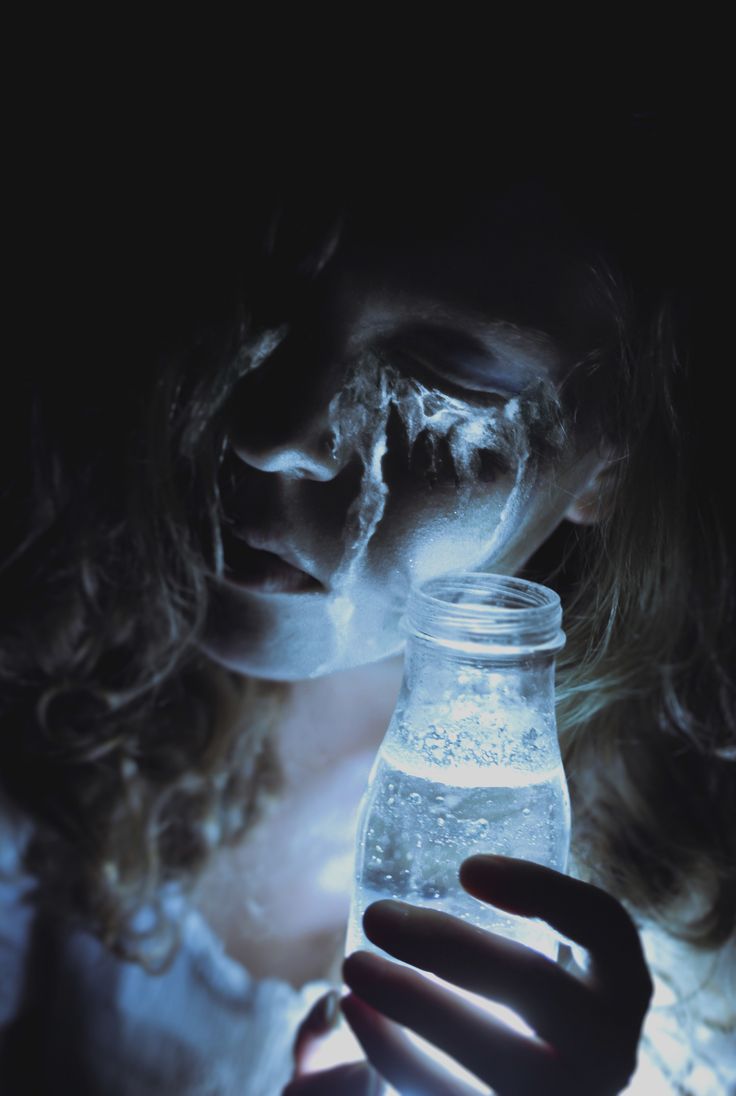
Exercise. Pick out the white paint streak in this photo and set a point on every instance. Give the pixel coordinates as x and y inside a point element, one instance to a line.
<point>359,416</point>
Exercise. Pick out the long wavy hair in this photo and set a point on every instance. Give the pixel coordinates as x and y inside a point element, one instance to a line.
<point>135,757</point>
<point>131,752</point>
<point>646,696</point>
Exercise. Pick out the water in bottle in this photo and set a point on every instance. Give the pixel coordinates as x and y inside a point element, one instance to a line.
<point>470,762</point>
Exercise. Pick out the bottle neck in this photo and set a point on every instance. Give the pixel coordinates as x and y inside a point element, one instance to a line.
<point>436,675</point>
<point>483,615</point>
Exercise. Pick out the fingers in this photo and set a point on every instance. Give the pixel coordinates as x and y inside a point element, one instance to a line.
<point>396,1058</point>
<point>552,1001</point>
<point>356,1079</point>
<point>588,1027</point>
<point>497,1055</point>
<point>578,910</point>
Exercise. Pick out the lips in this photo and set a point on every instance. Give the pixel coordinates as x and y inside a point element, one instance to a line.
<point>262,570</point>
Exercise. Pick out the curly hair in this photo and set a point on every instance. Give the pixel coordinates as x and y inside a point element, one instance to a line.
<point>646,693</point>
<point>124,744</point>
<point>136,757</point>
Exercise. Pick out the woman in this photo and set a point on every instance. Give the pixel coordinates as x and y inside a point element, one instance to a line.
<point>313,402</point>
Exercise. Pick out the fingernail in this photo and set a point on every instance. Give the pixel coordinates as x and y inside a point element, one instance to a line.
<point>330,1011</point>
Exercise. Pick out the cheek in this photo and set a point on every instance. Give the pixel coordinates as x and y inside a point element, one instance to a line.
<point>427,532</point>
<point>462,539</point>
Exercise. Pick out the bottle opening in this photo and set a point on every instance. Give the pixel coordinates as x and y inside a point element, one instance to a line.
<point>486,613</point>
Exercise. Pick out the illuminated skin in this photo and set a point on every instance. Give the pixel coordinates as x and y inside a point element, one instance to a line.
<point>410,421</point>
<point>404,425</point>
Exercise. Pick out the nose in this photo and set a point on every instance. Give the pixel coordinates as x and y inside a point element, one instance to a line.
<point>310,456</point>
<point>279,420</point>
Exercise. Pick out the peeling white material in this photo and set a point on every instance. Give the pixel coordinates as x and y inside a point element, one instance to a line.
<point>359,418</point>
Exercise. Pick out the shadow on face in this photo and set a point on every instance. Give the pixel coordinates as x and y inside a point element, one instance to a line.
<point>408,419</point>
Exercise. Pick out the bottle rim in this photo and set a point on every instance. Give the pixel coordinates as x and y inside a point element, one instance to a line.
<point>486,613</point>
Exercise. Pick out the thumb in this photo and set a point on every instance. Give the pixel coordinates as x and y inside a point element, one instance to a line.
<point>323,1016</point>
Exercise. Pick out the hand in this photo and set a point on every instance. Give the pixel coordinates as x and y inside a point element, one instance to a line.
<point>588,1026</point>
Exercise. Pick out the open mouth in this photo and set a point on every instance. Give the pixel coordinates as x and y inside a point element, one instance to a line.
<point>257,569</point>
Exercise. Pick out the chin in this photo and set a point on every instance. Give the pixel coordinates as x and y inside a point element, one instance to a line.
<point>301,665</point>
<point>260,666</point>
<point>295,639</point>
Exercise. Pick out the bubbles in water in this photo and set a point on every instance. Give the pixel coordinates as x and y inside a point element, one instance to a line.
<point>512,739</point>
<point>478,829</point>
<point>422,843</point>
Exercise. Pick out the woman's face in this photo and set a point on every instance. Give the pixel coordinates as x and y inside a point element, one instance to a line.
<point>407,422</point>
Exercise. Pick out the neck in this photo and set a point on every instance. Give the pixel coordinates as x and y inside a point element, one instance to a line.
<point>329,718</point>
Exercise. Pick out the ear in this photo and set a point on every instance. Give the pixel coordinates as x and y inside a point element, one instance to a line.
<point>593,500</point>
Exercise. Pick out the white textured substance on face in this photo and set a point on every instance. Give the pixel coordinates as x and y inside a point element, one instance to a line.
<point>359,417</point>
<point>259,349</point>
<point>454,433</point>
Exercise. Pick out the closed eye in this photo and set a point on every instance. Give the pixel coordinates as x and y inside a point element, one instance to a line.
<point>450,377</point>
<point>465,366</point>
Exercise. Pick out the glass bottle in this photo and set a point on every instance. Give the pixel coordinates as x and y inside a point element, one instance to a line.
<point>470,762</point>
